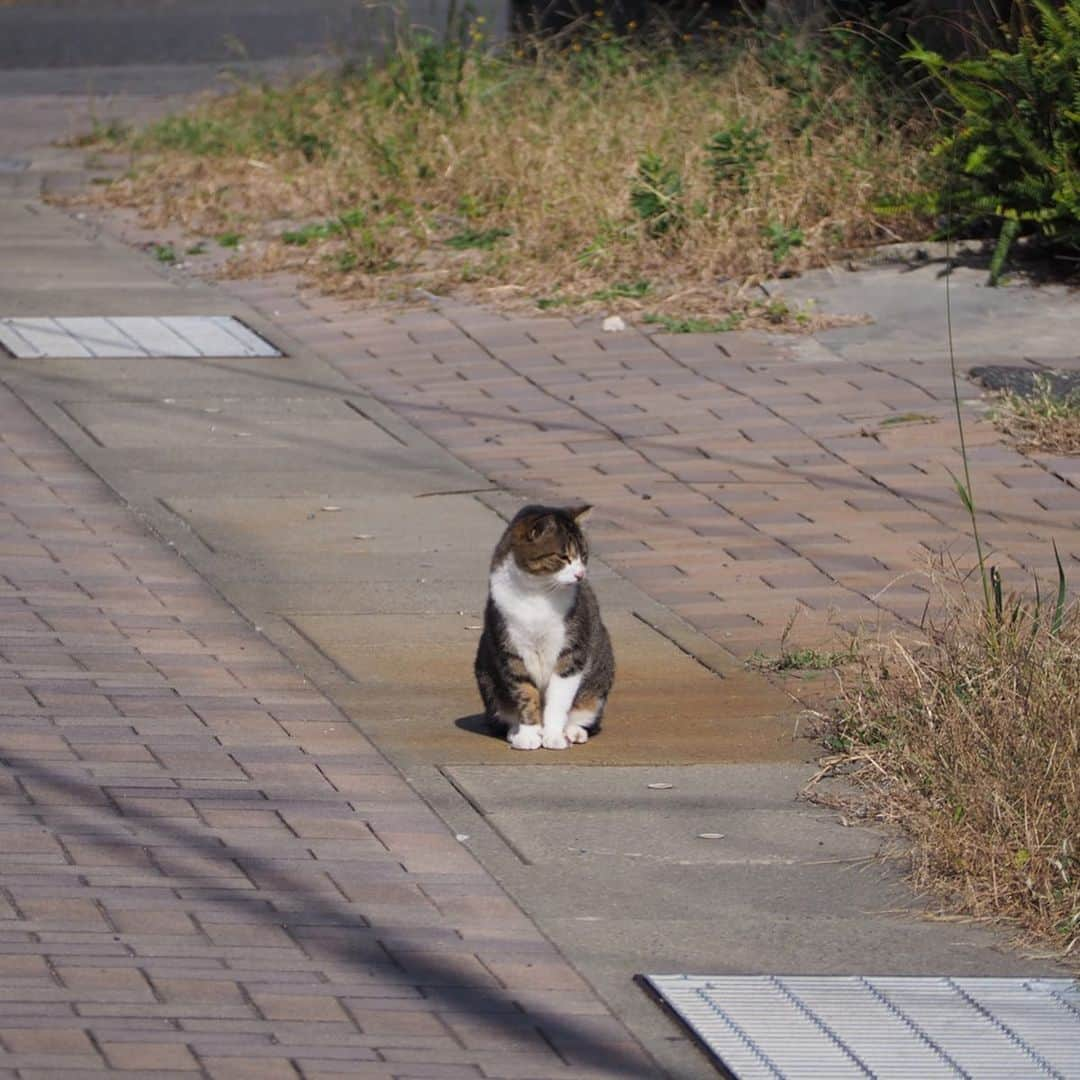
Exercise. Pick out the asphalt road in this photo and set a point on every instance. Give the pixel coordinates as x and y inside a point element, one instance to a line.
<point>50,34</point>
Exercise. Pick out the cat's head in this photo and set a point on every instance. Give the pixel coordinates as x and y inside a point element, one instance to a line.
<point>547,543</point>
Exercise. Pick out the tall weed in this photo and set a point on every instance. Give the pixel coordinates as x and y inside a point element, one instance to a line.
<point>969,739</point>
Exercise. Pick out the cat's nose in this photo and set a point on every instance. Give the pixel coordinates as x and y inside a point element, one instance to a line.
<point>579,573</point>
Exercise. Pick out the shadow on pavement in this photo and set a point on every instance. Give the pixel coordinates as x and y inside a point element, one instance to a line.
<point>443,985</point>
<point>863,485</point>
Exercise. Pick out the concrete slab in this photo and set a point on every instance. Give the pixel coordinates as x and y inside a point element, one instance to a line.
<point>225,423</point>
<point>388,524</point>
<point>448,586</point>
<point>618,873</point>
<point>706,816</point>
<point>906,303</point>
<point>666,707</point>
<point>413,595</point>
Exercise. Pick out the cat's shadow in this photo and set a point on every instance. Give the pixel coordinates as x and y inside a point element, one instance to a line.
<point>477,724</point>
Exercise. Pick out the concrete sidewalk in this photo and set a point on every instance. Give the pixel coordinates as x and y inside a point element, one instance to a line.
<point>260,825</point>
<point>208,870</point>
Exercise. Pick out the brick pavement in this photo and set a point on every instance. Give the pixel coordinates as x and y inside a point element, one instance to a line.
<point>739,479</point>
<point>207,871</point>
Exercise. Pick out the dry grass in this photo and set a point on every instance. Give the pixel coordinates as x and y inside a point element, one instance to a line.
<point>969,739</point>
<point>1043,422</point>
<point>646,181</point>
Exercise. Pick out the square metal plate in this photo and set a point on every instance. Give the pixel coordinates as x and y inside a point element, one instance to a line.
<point>208,336</point>
<point>839,1026</point>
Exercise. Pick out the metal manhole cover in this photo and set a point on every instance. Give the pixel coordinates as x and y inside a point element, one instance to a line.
<point>767,1026</point>
<point>208,336</point>
<point>1027,382</point>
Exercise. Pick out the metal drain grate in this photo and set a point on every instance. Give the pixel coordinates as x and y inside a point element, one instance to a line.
<point>218,336</point>
<point>834,1027</point>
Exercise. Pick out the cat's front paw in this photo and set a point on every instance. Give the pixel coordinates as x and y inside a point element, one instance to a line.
<point>525,737</point>
<point>576,733</point>
<point>555,740</point>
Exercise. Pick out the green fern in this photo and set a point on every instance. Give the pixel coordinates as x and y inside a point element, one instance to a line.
<point>1015,144</point>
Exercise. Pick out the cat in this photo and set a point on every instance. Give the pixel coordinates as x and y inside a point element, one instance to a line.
<point>544,664</point>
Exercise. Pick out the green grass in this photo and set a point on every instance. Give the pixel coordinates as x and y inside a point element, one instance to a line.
<point>806,659</point>
<point>103,133</point>
<point>623,290</point>
<point>675,325</point>
<point>907,418</point>
<point>484,239</point>
<point>1041,422</point>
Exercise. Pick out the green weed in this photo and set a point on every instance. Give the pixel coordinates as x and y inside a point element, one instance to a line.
<point>656,195</point>
<point>623,290</point>
<point>321,230</point>
<point>906,418</point>
<point>801,660</point>
<point>674,325</point>
<point>199,135</point>
<point>103,132</point>
<point>1012,148</point>
<point>734,153</point>
<point>1044,421</point>
<point>547,303</point>
<point>782,239</point>
<point>484,239</point>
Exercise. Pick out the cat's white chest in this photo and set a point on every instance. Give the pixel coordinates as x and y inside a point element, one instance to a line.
<point>535,623</point>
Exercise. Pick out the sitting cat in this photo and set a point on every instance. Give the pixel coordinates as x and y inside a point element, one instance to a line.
<point>544,664</point>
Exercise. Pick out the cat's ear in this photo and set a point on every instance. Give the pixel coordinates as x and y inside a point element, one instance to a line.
<point>580,511</point>
<point>540,527</point>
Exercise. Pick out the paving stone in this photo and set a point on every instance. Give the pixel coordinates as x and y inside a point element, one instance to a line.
<point>798,445</point>
<point>191,800</point>
<point>150,1056</point>
<point>291,1007</point>
<point>47,1040</point>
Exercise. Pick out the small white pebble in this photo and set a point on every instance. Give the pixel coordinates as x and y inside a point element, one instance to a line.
<point>613,324</point>
<point>331,509</point>
<point>710,836</point>
<point>660,787</point>
<point>461,837</point>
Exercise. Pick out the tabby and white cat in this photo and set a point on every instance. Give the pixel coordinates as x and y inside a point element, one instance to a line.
<point>544,665</point>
